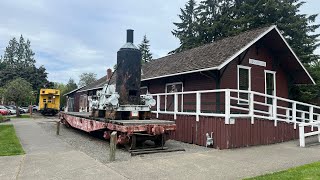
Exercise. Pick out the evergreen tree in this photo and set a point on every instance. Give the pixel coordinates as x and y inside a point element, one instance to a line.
<point>18,62</point>
<point>145,50</point>
<point>186,30</point>
<point>71,85</point>
<point>87,78</point>
<point>298,29</point>
<point>215,19</point>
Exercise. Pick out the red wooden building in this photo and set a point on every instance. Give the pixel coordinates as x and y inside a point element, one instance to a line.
<point>237,89</point>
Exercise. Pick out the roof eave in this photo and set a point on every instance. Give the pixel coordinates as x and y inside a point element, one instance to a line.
<point>181,73</point>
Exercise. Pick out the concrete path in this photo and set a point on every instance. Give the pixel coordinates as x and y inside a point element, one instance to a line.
<point>225,164</point>
<point>47,157</point>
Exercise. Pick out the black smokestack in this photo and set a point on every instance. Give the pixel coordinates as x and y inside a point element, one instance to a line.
<point>129,72</point>
<point>129,36</point>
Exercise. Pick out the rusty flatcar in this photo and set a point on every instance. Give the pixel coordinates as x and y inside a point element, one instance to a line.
<point>120,107</point>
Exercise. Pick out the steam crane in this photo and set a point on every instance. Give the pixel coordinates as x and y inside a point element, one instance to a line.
<point>121,108</point>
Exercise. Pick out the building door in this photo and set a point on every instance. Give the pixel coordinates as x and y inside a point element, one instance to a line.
<point>270,85</point>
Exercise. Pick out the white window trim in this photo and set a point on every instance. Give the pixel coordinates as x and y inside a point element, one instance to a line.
<point>274,81</point>
<point>142,87</point>
<point>249,88</point>
<point>165,102</point>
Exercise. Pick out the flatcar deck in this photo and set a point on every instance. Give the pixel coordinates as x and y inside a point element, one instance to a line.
<point>121,122</point>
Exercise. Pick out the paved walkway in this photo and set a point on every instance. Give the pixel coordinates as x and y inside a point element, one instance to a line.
<point>47,157</point>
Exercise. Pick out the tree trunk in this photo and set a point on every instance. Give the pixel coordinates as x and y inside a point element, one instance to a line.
<point>17,111</point>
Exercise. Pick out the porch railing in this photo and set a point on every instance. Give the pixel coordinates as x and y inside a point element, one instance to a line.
<point>231,104</point>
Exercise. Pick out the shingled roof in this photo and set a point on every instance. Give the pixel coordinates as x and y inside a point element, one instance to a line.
<point>209,56</point>
<point>98,84</point>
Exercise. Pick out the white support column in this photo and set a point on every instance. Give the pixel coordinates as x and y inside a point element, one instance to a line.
<point>158,105</point>
<point>311,116</point>
<point>303,117</point>
<point>274,110</point>
<point>175,106</point>
<point>288,115</point>
<point>251,107</point>
<point>227,107</point>
<point>301,136</point>
<point>198,105</point>
<point>294,114</point>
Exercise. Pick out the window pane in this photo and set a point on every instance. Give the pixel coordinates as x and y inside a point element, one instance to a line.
<point>243,79</point>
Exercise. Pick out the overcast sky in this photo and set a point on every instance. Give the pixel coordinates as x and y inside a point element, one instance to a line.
<point>74,36</point>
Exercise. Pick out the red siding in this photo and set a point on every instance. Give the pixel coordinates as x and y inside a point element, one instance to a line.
<point>227,136</point>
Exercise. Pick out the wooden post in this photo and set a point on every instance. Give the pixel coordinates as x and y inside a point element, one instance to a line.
<point>58,127</point>
<point>294,114</point>
<point>301,135</point>
<point>198,105</point>
<point>113,146</point>
<point>274,110</point>
<point>227,107</point>
<point>158,105</point>
<point>251,107</point>
<point>175,106</point>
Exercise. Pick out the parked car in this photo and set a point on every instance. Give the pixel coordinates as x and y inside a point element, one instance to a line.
<point>20,109</point>
<point>35,108</point>
<point>11,109</point>
<point>4,110</point>
<point>25,109</point>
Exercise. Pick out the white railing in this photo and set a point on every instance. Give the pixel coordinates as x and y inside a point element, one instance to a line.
<point>231,104</point>
<point>302,135</point>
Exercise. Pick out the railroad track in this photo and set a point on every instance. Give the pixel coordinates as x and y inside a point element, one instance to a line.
<point>153,150</point>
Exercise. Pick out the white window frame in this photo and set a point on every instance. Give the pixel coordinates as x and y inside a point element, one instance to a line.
<point>238,85</point>
<point>142,87</point>
<point>274,81</point>
<point>170,84</point>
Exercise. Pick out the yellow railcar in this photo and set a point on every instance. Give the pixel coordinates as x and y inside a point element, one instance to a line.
<point>49,101</point>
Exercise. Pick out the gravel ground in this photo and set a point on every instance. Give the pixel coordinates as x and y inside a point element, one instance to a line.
<point>99,148</point>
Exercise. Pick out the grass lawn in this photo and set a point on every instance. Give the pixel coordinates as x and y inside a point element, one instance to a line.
<point>22,116</point>
<point>309,171</point>
<point>9,142</point>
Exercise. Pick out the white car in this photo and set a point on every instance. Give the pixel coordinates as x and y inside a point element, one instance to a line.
<point>11,109</point>
<point>25,109</point>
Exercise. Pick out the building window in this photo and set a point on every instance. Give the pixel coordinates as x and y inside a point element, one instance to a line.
<point>244,83</point>
<point>44,100</point>
<point>169,99</point>
<point>144,90</point>
<point>270,84</point>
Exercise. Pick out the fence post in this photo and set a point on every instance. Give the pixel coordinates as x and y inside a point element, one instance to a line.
<point>294,114</point>
<point>58,127</point>
<point>303,116</point>
<point>158,105</point>
<point>227,106</point>
<point>175,106</point>
<point>198,105</point>
<point>301,135</point>
<point>274,110</point>
<point>311,116</point>
<point>251,106</point>
<point>288,115</point>
<point>113,146</point>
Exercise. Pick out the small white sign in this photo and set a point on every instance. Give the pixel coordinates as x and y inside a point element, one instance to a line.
<point>134,113</point>
<point>257,62</point>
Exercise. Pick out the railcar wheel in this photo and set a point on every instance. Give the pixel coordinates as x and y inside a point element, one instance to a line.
<point>160,141</point>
